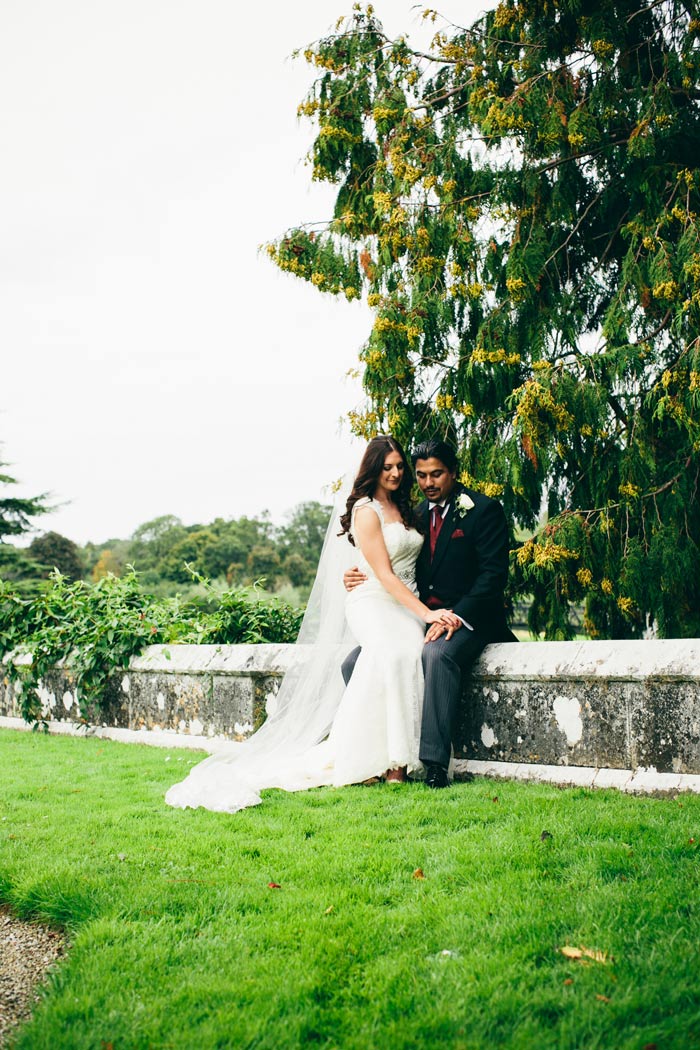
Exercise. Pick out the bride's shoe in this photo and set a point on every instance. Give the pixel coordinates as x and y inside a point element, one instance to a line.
<point>396,776</point>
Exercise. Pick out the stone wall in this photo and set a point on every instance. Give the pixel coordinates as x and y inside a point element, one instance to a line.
<point>620,705</point>
<point>216,691</point>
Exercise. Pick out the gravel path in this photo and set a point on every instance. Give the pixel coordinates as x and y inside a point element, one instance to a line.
<point>27,950</point>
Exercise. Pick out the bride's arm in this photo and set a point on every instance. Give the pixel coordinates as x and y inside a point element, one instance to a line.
<point>367,531</point>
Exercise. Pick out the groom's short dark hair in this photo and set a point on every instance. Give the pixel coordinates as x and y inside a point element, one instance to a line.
<point>434,448</point>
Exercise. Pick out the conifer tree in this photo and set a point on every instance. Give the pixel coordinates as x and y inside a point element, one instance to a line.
<point>16,513</point>
<point>520,206</point>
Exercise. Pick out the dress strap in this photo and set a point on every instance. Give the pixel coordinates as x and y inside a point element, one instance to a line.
<point>366,501</point>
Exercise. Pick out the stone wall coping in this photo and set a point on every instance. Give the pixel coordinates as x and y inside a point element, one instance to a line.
<point>672,659</point>
<point>265,658</point>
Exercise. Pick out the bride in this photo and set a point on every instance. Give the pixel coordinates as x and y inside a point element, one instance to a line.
<point>321,732</point>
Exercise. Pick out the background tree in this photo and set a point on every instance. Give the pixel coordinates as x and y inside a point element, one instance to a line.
<point>263,561</point>
<point>190,550</point>
<point>520,204</point>
<point>297,570</point>
<point>113,555</point>
<point>301,540</point>
<point>233,542</point>
<point>16,516</point>
<point>153,540</point>
<point>226,552</point>
<point>53,551</point>
<point>16,513</point>
<point>107,564</point>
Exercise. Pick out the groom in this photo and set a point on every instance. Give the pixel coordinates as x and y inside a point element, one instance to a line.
<point>463,566</point>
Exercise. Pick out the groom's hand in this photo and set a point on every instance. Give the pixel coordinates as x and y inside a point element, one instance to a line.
<point>353,578</point>
<point>436,630</point>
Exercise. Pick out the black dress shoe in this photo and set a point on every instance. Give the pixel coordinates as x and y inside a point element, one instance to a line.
<point>436,776</point>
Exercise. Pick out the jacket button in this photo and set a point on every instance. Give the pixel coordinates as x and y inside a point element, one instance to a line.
<point>430,587</point>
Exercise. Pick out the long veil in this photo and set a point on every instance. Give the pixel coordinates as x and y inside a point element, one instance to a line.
<point>306,703</point>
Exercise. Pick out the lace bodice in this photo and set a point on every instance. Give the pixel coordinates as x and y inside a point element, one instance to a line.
<point>403,546</point>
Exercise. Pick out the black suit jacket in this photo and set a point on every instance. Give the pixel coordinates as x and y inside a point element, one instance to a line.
<point>470,568</point>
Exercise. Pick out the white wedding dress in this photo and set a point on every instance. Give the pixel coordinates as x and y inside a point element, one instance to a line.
<point>323,733</point>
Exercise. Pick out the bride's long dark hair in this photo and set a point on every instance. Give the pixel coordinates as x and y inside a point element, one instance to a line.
<point>368,475</point>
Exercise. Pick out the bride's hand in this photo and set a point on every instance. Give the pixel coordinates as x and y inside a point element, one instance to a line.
<point>445,617</point>
<point>446,624</point>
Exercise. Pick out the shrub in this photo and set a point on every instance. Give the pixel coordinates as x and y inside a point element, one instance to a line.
<point>97,629</point>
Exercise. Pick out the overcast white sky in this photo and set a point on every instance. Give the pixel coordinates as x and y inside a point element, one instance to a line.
<point>153,361</point>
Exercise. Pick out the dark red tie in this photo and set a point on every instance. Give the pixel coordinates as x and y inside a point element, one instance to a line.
<point>435,526</point>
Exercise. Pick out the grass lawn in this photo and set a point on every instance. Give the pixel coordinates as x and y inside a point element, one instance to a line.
<point>178,941</point>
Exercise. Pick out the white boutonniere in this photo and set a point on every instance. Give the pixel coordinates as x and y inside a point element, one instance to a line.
<point>464,503</point>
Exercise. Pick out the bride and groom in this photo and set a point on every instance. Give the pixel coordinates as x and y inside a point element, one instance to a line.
<point>388,707</point>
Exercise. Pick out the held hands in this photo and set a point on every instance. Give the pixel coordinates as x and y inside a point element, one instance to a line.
<point>353,578</point>
<point>441,621</point>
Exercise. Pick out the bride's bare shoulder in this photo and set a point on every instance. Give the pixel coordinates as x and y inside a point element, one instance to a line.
<point>366,510</point>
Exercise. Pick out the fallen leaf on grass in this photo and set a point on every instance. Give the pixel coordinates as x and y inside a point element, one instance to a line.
<point>418,874</point>
<point>569,980</point>
<point>274,886</point>
<point>328,910</point>
<point>602,998</point>
<point>589,953</point>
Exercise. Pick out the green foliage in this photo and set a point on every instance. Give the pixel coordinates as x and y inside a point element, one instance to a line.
<point>521,208</point>
<point>176,939</point>
<point>245,616</point>
<point>97,629</point>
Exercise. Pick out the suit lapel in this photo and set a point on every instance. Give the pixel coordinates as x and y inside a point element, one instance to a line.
<point>422,511</point>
